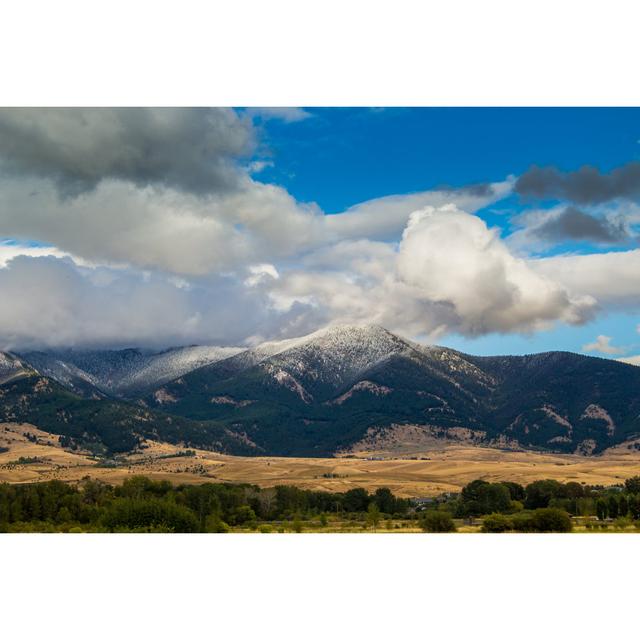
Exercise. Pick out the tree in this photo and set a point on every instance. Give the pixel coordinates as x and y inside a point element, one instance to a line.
<point>623,506</point>
<point>634,506</point>
<point>213,524</point>
<point>540,492</point>
<point>149,513</point>
<point>437,522</point>
<point>573,490</point>
<point>385,500</point>
<point>356,500</point>
<point>373,515</point>
<point>297,524</point>
<point>632,485</point>
<point>551,520</point>
<point>602,509</point>
<point>480,497</point>
<point>612,503</point>
<point>244,515</point>
<point>516,491</point>
<point>64,515</point>
<point>496,523</point>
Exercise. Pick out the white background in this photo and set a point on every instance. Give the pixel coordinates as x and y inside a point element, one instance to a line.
<point>280,53</point>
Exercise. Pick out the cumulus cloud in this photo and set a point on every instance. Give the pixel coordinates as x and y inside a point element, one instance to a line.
<point>51,302</point>
<point>611,278</point>
<point>587,185</point>
<point>189,234</point>
<point>602,344</point>
<point>449,273</point>
<point>451,256</point>
<point>192,150</point>
<point>160,228</point>
<point>147,227</point>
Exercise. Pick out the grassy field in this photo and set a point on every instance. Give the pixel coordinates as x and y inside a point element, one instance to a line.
<point>438,467</point>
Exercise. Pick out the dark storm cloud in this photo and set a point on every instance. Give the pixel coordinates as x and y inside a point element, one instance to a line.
<point>585,186</point>
<point>574,224</point>
<point>193,150</point>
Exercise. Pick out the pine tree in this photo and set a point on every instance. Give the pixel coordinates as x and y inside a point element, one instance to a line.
<point>602,509</point>
<point>623,506</point>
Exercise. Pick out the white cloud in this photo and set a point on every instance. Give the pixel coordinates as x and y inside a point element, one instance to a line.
<point>385,218</point>
<point>160,228</point>
<point>53,302</point>
<point>452,257</point>
<point>151,230</point>
<point>449,273</point>
<point>611,278</point>
<point>630,360</point>
<point>286,114</point>
<point>603,344</point>
<point>9,251</point>
<point>259,165</point>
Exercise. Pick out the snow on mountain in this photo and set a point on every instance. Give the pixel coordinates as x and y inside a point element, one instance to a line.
<point>122,371</point>
<point>11,367</point>
<point>335,355</point>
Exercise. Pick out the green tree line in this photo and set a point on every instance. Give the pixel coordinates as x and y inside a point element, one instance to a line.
<point>142,504</point>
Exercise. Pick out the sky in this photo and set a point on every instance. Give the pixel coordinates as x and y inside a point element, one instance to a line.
<point>489,230</point>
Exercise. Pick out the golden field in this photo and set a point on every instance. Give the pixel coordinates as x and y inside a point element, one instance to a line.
<point>438,466</point>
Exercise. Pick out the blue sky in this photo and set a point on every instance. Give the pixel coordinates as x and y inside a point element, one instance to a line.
<point>339,157</point>
<point>490,230</point>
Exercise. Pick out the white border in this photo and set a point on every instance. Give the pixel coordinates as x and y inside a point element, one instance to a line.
<point>318,586</point>
<point>337,52</point>
<point>251,52</point>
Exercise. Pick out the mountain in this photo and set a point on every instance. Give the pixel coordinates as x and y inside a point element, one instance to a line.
<point>122,373</point>
<point>329,390</point>
<point>100,424</point>
<point>11,367</point>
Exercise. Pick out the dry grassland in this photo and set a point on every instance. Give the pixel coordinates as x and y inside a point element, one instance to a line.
<point>440,466</point>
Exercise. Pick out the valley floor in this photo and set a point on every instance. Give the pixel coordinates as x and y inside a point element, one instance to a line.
<point>30,455</point>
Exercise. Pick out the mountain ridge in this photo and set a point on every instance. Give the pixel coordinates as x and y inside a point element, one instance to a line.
<point>327,391</point>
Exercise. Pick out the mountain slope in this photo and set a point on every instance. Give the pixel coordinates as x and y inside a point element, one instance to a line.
<point>11,367</point>
<point>323,393</point>
<point>100,424</point>
<point>326,391</point>
<point>125,372</point>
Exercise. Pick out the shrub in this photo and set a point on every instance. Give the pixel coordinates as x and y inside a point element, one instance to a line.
<point>547,520</point>
<point>622,523</point>
<point>215,525</point>
<point>496,523</point>
<point>522,522</point>
<point>131,513</point>
<point>437,522</point>
<point>551,520</point>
